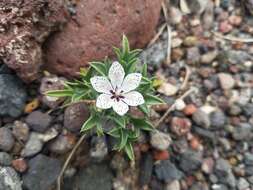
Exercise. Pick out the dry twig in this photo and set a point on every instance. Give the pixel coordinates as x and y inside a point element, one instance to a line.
<point>232,38</point>
<point>66,163</point>
<point>172,107</point>
<point>165,13</point>
<point>186,79</point>
<point>160,31</point>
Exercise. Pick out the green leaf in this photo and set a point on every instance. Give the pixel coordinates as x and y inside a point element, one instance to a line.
<point>144,70</point>
<point>115,132</point>
<point>123,139</point>
<point>90,123</point>
<point>99,67</point>
<point>100,130</point>
<point>118,120</point>
<point>118,53</point>
<point>142,124</point>
<point>144,108</point>
<point>125,45</point>
<point>59,93</point>
<point>129,150</point>
<point>152,100</point>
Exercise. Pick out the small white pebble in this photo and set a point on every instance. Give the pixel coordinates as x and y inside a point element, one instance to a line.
<point>248,64</point>
<point>180,104</point>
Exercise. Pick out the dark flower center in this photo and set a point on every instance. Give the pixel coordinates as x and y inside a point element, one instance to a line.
<point>117,95</point>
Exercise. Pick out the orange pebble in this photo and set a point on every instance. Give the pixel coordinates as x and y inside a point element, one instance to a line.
<point>195,143</point>
<point>32,106</point>
<point>161,155</point>
<point>190,109</point>
<point>20,165</point>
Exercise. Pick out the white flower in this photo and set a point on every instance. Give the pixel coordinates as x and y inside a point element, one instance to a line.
<point>118,91</point>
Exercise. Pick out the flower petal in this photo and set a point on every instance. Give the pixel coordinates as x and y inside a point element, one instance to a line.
<point>101,84</point>
<point>120,107</point>
<point>131,82</point>
<point>133,98</point>
<point>104,101</point>
<point>116,74</point>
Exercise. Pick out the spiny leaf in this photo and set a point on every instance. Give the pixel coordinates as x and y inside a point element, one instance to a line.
<point>129,150</point>
<point>152,100</point>
<point>59,93</point>
<point>90,123</point>
<point>99,67</point>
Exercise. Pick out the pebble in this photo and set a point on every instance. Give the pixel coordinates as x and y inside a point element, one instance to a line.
<point>219,187</point>
<point>218,119</point>
<point>20,131</point>
<point>9,179</point>
<point>168,89</point>
<point>75,116</point>
<point>248,159</point>
<point>167,171</point>
<point>180,126</point>
<point>63,143</point>
<point>99,149</point>
<point>13,96</point>
<point>42,174</point>
<point>226,81</point>
<point>5,159</point>
<point>209,57</point>
<point>225,27</point>
<point>190,109</point>
<point>192,55</point>
<point>174,185</point>
<point>242,132</point>
<point>49,83</point>
<point>190,161</point>
<point>207,165</point>
<point>6,139</point>
<point>160,140</point>
<point>20,165</point>
<point>179,104</point>
<point>176,42</point>
<point>190,41</point>
<point>94,176</point>
<point>175,15</point>
<point>146,169</point>
<point>248,109</point>
<point>38,121</point>
<point>235,20</point>
<point>201,119</point>
<point>33,146</point>
<point>242,184</point>
<point>161,155</point>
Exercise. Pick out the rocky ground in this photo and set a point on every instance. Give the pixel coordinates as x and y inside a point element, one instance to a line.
<point>205,144</point>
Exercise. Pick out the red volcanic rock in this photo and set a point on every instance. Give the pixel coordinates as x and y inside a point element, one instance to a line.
<point>96,27</point>
<point>24,26</point>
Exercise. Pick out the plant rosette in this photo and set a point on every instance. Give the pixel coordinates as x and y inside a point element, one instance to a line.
<point>115,86</point>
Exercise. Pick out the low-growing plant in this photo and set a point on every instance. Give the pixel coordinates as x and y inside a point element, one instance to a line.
<point>110,88</point>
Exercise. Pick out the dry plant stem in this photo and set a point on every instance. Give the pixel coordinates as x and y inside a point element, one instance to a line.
<point>160,31</point>
<point>232,38</point>
<point>172,107</point>
<point>165,13</point>
<point>186,79</point>
<point>66,163</point>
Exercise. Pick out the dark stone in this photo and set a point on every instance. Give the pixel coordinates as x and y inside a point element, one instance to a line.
<point>12,96</point>
<point>190,161</point>
<point>201,119</point>
<point>248,110</point>
<point>5,159</point>
<point>167,171</point>
<point>42,173</point>
<point>218,119</point>
<point>6,139</point>
<point>146,169</point>
<point>96,176</point>
<point>38,121</point>
<point>242,132</point>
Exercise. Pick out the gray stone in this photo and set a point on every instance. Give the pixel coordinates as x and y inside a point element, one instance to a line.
<point>9,179</point>
<point>75,116</point>
<point>20,131</point>
<point>160,140</point>
<point>99,149</point>
<point>96,176</point>
<point>167,171</point>
<point>146,168</point>
<point>201,119</point>
<point>219,187</point>
<point>42,174</point>
<point>38,121</point>
<point>224,172</point>
<point>242,184</point>
<point>248,159</point>
<point>12,96</point>
<point>6,139</point>
<point>248,109</point>
<point>33,146</point>
<point>226,81</point>
<point>190,161</point>
<point>218,119</point>
<point>174,185</point>
<point>5,159</point>
<point>62,144</point>
<point>242,132</point>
